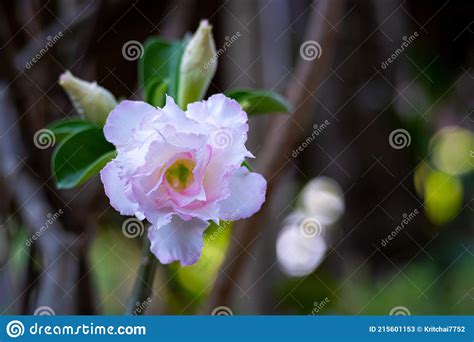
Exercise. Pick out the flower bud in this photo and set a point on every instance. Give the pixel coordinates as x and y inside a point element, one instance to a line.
<point>198,65</point>
<point>89,99</point>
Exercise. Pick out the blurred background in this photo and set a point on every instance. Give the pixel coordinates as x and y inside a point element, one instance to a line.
<point>372,212</point>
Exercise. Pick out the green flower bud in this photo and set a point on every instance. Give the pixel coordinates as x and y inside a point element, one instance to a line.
<point>198,65</point>
<point>89,99</point>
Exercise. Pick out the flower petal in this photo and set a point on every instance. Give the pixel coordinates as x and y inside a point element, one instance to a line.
<point>178,240</point>
<point>124,119</point>
<point>172,118</point>
<point>228,128</point>
<point>247,194</point>
<point>218,110</point>
<point>115,189</point>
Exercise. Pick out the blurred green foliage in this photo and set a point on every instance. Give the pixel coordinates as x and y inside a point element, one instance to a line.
<point>115,261</point>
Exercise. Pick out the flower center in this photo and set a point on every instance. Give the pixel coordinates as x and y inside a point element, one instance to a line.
<point>180,174</point>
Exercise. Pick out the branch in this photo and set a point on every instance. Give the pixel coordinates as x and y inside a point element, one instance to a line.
<point>182,13</point>
<point>58,248</point>
<point>273,155</point>
<point>65,24</point>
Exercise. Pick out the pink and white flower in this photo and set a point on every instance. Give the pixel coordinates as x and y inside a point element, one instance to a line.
<point>180,170</point>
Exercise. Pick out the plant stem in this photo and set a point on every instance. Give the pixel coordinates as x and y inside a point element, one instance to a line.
<point>143,288</point>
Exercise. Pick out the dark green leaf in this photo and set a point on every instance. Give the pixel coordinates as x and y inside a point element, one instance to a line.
<point>65,127</point>
<point>158,67</point>
<point>156,94</point>
<point>255,101</point>
<point>81,156</point>
<point>247,165</point>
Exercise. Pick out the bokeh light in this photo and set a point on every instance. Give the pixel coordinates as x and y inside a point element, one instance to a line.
<point>299,255</point>
<point>323,199</point>
<point>303,242</point>
<point>443,197</point>
<point>452,150</point>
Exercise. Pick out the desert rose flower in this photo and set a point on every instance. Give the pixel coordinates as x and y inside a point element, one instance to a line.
<point>180,170</point>
<point>90,99</point>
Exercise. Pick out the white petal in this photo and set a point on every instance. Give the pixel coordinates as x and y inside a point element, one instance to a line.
<point>247,194</point>
<point>115,189</point>
<point>178,240</point>
<point>124,119</point>
<point>218,110</point>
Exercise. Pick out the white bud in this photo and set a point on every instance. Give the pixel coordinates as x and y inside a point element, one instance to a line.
<point>89,99</point>
<point>198,65</point>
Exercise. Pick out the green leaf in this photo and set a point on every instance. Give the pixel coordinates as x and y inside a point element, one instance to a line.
<point>65,127</point>
<point>247,165</point>
<point>159,67</point>
<point>81,156</point>
<point>255,101</point>
<point>156,94</point>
